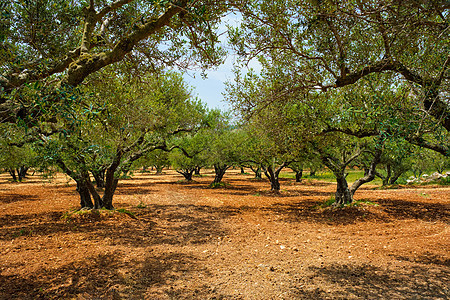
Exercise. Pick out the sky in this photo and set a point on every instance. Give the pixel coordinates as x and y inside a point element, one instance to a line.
<point>211,89</point>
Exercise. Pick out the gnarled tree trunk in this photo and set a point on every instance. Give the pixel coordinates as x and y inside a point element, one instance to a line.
<point>85,196</point>
<point>12,172</point>
<point>273,176</point>
<point>219,172</point>
<point>99,176</point>
<point>343,194</point>
<point>187,173</point>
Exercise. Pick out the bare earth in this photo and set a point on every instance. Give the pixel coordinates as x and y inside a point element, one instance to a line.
<point>241,242</point>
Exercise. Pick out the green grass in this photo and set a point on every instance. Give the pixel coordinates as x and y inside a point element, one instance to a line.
<point>330,202</point>
<point>141,205</point>
<point>353,175</point>
<point>218,185</point>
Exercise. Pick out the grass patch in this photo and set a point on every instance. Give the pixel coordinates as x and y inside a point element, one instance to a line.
<point>93,214</point>
<point>141,205</point>
<point>327,203</point>
<point>127,212</point>
<point>363,202</point>
<point>328,176</point>
<point>218,185</point>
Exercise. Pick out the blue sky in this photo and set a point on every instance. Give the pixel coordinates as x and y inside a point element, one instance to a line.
<point>211,89</point>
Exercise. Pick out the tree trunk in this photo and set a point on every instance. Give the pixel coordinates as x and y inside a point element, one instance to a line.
<point>187,174</point>
<point>395,177</point>
<point>110,188</point>
<point>99,176</point>
<point>12,172</point>
<point>343,194</point>
<point>298,175</point>
<point>312,172</point>
<point>257,171</point>
<point>242,170</point>
<point>219,171</point>
<point>273,177</point>
<point>97,199</point>
<point>369,173</point>
<point>197,171</point>
<point>388,175</point>
<point>85,196</point>
<point>159,169</point>
<point>22,172</point>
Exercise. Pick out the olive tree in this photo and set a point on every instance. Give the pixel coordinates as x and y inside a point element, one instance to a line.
<point>329,45</point>
<point>120,121</point>
<point>58,44</point>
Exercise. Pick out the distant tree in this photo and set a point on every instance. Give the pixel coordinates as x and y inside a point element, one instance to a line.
<point>16,156</point>
<point>194,146</point>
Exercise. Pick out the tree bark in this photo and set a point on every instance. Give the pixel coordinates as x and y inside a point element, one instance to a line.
<point>110,188</point>
<point>219,172</point>
<point>197,171</point>
<point>187,173</point>
<point>12,172</point>
<point>257,171</point>
<point>110,183</point>
<point>99,176</point>
<point>298,175</point>
<point>343,194</point>
<point>159,170</point>
<point>369,174</point>
<point>85,196</point>
<point>272,175</point>
<point>22,172</point>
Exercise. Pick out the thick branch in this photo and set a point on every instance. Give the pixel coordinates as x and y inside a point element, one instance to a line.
<point>89,64</point>
<point>370,175</point>
<point>419,141</point>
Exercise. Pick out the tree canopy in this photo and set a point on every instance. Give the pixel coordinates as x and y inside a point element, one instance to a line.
<point>60,43</point>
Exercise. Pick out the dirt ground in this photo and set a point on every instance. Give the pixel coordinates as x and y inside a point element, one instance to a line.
<point>186,241</point>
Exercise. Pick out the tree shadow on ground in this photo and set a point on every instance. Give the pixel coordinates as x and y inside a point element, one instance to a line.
<point>385,211</point>
<point>172,225</point>
<point>370,282</point>
<point>112,276</point>
<point>402,209</point>
<point>426,259</point>
<point>154,225</point>
<point>14,226</point>
<point>309,211</point>
<point>6,198</point>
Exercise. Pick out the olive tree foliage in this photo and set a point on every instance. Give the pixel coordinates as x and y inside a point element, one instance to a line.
<point>58,44</point>
<point>337,126</point>
<point>16,157</point>
<point>157,159</point>
<point>119,121</point>
<point>193,156</point>
<point>225,147</point>
<point>329,45</point>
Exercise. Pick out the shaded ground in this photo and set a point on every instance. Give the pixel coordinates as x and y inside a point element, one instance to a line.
<point>241,242</point>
